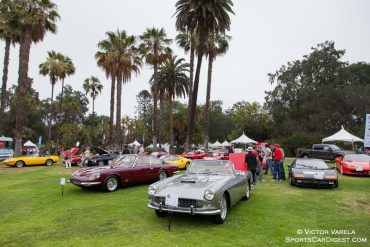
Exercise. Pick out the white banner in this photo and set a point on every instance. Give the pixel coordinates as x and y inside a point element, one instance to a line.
<point>367,131</point>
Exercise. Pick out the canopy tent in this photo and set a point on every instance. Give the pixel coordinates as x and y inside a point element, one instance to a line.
<point>216,144</point>
<point>29,144</point>
<point>343,136</point>
<point>135,143</point>
<point>243,139</point>
<point>226,144</point>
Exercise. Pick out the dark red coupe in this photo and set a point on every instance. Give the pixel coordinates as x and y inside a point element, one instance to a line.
<point>353,164</point>
<point>124,170</point>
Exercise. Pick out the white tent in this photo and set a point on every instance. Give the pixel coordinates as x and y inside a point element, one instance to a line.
<point>243,139</point>
<point>135,143</point>
<point>29,144</point>
<point>343,136</point>
<point>225,144</point>
<point>216,144</point>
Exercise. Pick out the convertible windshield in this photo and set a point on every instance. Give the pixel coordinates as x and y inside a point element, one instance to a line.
<point>357,157</point>
<point>210,167</point>
<point>310,164</point>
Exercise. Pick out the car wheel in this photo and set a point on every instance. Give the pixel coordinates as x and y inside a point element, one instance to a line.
<point>291,182</point>
<point>162,175</point>
<point>187,165</point>
<point>101,163</point>
<point>247,193</point>
<point>49,162</point>
<point>160,213</point>
<point>19,163</point>
<point>111,184</point>
<point>305,156</point>
<point>78,162</point>
<point>220,218</point>
<point>336,184</point>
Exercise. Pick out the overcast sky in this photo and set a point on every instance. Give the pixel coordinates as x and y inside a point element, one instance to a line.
<point>265,35</point>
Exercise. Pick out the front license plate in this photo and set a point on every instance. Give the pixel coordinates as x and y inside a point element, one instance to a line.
<point>172,200</point>
<point>359,169</point>
<point>318,176</point>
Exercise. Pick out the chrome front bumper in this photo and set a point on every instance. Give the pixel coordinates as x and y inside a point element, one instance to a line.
<point>191,211</point>
<point>87,184</point>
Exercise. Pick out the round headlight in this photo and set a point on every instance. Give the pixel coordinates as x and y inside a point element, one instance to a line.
<point>209,194</point>
<point>94,176</point>
<point>151,190</point>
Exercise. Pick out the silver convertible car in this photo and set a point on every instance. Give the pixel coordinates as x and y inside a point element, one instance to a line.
<point>209,187</point>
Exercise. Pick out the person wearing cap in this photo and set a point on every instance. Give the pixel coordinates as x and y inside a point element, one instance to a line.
<point>252,162</point>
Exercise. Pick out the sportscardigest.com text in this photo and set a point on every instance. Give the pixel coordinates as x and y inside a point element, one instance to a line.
<point>326,236</point>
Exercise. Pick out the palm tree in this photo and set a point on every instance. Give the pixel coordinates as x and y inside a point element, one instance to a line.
<point>119,57</point>
<point>7,34</point>
<point>154,48</point>
<point>53,67</point>
<point>173,82</point>
<point>34,19</point>
<point>216,45</point>
<point>202,18</point>
<point>93,86</point>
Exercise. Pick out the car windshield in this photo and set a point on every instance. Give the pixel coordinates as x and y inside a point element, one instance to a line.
<point>124,160</point>
<point>210,167</point>
<point>335,147</point>
<point>357,157</point>
<point>310,164</point>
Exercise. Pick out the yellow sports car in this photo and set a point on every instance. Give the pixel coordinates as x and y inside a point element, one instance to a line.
<point>30,161</point>
<point>182,162</point>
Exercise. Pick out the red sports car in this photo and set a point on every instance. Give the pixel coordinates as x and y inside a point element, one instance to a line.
<point>194,155</point>
<point>354,164</point>
<point>124,170</point>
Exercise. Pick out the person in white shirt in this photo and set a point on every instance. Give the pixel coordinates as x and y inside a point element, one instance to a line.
<point>268,157</point>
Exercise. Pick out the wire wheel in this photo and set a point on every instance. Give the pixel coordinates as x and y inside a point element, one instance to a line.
<point>111,184</point>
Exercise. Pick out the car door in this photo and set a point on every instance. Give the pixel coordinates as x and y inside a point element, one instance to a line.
<point>327,152</point>
<point>317,151</point>
<point>144,172</point>
<point>155,167</point>
<point>238,186</point>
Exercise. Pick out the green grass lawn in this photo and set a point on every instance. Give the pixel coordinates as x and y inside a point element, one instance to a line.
<point>33,213</point>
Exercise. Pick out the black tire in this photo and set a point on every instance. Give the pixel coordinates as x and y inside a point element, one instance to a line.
<point>291,181</point>
<point>162,175</point>
<point>336,184</point>
<point>101,163</point>
<point>78,162</point>
<point>20,163</point>
<point>111,184</point>
<point>49,162</point>
<point>304,155</point>
<point>247,192</point>
<point>220,218</point>
<point>160,213</point>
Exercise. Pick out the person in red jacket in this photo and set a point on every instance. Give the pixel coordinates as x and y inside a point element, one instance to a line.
<point>278,163</point>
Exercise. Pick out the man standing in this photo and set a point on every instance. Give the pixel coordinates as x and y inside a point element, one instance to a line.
<point>252,162</point>
<point>68,158</point>
<point>278,163</point>
<point>268,157</point>
<point>125,150</point>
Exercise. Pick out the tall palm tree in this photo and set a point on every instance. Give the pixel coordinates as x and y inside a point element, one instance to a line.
<point>174,82</point>
<point>34,19</point>
<point>154,48</point>
<point>9,35</point>
<point>93,86</point>
<point>120,58</point>
<point>216,45</point>
<point>202,18</point>
<point>53,67</point>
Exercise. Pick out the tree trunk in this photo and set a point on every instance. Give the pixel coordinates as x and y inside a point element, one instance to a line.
<point>24,56</point>
<point>3,87</point>
<point>192,51</point>
<point>118,112</point>
<point>111,120</point>
<point>52,79</point>
<point>193,105</point>
<point>60,113</point>
<point>155,103</point>
<point>172,147</point>
<point>160,122</point>
<point>208,98</point>
<point>93,106</point>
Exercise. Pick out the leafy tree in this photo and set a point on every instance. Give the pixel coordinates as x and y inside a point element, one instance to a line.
<point>201,18</point>
<point>144,100</point>
<point>154,48</point>
<point>93,86</point>
<point>33,20</point>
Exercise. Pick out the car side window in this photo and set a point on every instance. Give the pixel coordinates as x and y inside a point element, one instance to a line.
<point>142,161</point>
<point>154,161</point>
<point>318,147</point>
<point>326,148</point>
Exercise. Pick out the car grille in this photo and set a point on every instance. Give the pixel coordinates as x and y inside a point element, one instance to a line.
<point>187,203</point>
<point>182,203</point>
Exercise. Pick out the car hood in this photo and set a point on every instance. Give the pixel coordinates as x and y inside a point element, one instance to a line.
<point>192,185</point>
<point>365,164</point>
<point>309,173</point>
<point>91,170</point>
<point>99,151</point>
